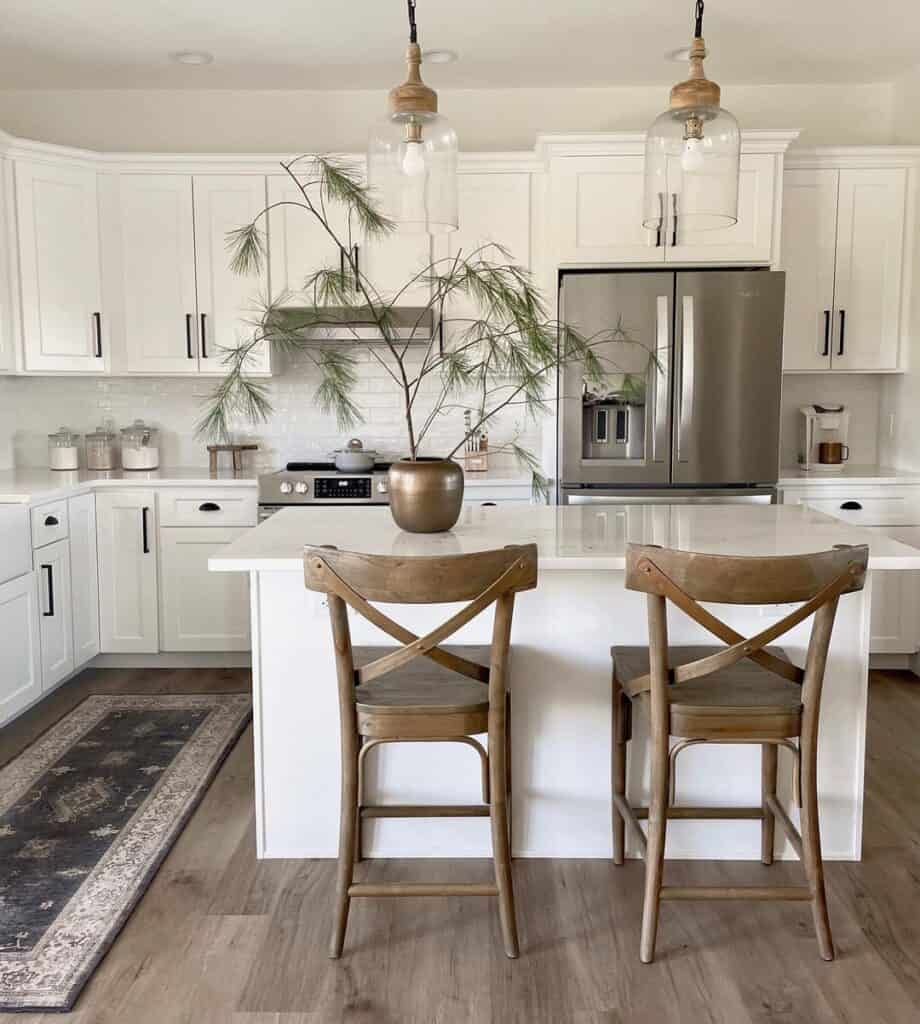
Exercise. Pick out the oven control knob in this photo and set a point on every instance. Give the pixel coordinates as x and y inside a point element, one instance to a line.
<point>301,487</point>
<point>286,487</point>
<point>381,487</point>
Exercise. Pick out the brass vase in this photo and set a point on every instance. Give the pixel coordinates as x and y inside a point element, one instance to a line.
<point>426,495</point>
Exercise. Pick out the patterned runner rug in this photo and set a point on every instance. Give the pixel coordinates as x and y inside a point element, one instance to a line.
<point>87,814</point>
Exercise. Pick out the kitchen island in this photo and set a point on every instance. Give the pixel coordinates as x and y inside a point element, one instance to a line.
<point>560,682</point>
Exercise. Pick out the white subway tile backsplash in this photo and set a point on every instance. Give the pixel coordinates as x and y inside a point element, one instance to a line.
<point>33,407</point>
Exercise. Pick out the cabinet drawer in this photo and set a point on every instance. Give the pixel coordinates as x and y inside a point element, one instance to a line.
<point>194,507</point>
<point>49,523</point>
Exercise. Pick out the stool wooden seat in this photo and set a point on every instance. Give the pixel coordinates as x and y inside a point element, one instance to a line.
<point>745,697</point>
<point>420,698</point>
<point>745,692</point>
<point>423,692</point>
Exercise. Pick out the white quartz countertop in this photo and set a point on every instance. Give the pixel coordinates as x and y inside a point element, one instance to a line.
<point>28,486</point>
<point>795,476</point>
<point>567,537</point>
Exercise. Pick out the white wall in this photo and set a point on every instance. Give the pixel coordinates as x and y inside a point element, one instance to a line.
<point>287,121</point>
<point>901,395</point>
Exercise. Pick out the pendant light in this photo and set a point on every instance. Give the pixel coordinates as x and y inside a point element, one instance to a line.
<point>412,153</point>
<point>692,153</point>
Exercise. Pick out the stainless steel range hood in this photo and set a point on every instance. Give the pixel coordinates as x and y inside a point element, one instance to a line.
<point>355,323</point>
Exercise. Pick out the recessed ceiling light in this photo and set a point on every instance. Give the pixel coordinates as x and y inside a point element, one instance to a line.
<point>192,57</point>
<point>679,56</point>
<point>440,56</point>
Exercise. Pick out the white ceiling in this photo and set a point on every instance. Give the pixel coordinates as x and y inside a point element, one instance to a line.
<point>308,44</point>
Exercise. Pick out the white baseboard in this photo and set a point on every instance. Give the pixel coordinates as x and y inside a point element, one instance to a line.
<point>192,659</point>
<point>910,662</point>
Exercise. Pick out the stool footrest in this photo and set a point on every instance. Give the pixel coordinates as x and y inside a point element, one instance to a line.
<point>426,811</point>
<point>424,889</point>
<point>737,892</point>
<point>713,813</point>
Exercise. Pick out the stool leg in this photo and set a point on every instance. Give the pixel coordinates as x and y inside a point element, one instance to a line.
<point>348,827</point>
<point>501,852</point>
<point>654,856</point>
<point>618,770</point>
<point>508,772</point>
<point>359,801</point>
<point>768,763</point>
<point>811,843</point>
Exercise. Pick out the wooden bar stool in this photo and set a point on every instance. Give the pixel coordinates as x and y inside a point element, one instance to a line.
<point>754,695</point>
<point>452,700</point>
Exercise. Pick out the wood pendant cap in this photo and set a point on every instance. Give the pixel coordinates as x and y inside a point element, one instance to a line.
<point>697,90</point>
<point>413,96</point>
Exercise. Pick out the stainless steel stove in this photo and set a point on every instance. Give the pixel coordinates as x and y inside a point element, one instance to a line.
<point>320,483</point>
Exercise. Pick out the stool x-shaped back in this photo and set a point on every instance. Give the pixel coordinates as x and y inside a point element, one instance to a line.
<point>430,694</point>
<point>754,694</point>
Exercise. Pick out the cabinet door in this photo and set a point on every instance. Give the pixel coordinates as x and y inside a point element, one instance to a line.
<point>808,258</point>
<point>7,267</point>
<point>227,302</point>
<point>201,610</point>
<point>126,539</point>
<point>390,264</point>
<point>894,628</point>
<point>492,208</point>
<point>298,244</point>
<point>158,273</point>
<point>84,577</point>
<point>597,211</point>
<point>870,251</point>
<point>52,564</point>
<point>60,278</point>
<point>750,240</point>
<point>20,657</point>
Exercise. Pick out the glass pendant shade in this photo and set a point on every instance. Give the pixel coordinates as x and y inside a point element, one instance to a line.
<point>412,168</point>
<point>691,169</point>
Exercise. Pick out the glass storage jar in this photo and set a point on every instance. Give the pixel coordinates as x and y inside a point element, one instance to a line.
<point>102,447</point>
<point>140,446</point>
<point>64,449</point>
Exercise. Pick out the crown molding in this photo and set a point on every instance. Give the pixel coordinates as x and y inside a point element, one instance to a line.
<point>633,143</point>
<point>852,156</point>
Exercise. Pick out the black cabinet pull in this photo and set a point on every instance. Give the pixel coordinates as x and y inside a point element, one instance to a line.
<point>488,504</point>
<point>204,351</point>
<point>843,324</point>
<point>188,336</point>
<point>50,571</point>
<point>209,506</point>
<point>826,351</point>
<point>851,506</point>
<point>674,222</point>
<point>145,540</point>
<point>51,521</point>
<point>342,262</point>
<point>97,323</point>
<point>356,258</point>
<point>660,227</point>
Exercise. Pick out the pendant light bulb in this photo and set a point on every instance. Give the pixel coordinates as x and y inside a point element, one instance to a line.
<point>413,163</point>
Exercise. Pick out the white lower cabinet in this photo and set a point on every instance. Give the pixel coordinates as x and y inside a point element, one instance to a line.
<point>84,575</point>
<point>20,651</point>
<point>52,565</point>
<point>127,538</point>
<point>201,610</point>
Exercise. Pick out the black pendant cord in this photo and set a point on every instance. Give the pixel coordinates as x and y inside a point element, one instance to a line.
<point>698,31</point>
<point>413,31</point>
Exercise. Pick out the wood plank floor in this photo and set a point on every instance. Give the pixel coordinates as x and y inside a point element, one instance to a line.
<point>222,938</point>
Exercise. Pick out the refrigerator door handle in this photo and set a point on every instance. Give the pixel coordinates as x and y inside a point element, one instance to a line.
<point>662,357</point>
<point>685,412</point>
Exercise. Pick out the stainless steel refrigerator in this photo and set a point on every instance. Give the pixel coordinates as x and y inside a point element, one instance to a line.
<point>689,404</point>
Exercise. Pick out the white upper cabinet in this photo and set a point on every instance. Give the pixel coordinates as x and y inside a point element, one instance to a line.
<point>228,303</point>
<point>298,244</point>
<point>157,258</point>
<point>870,260</point>
<point>809,255</point>
<point>750,240</point>
<point>843,253</point>
<point>59,271</point>
<point>7,262</point>
<point>494,207</point>
<point>596,218</point>
<point>596,206</point>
